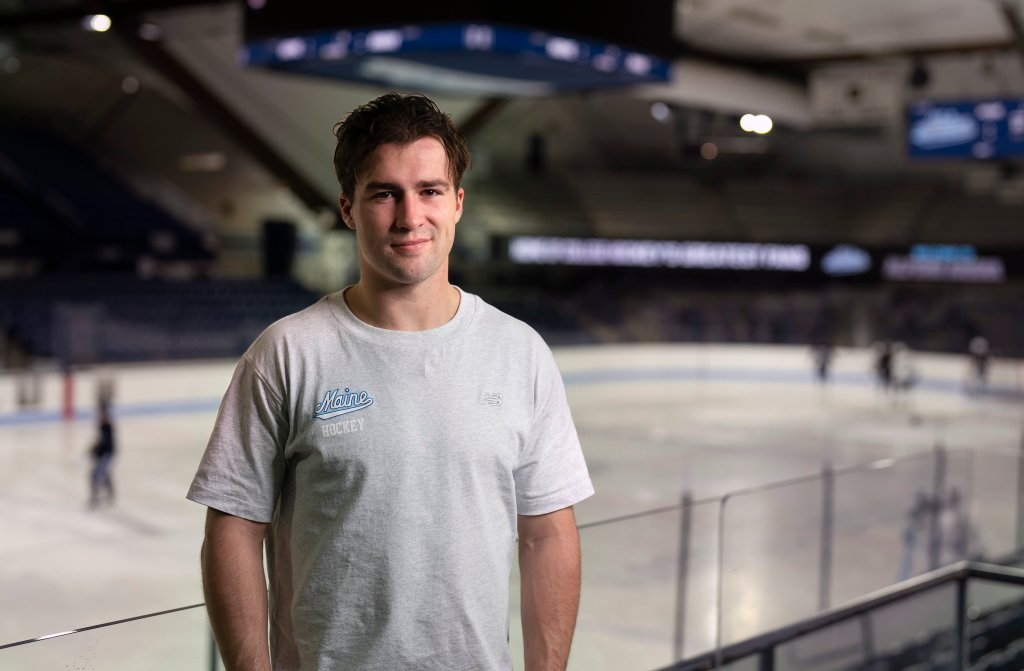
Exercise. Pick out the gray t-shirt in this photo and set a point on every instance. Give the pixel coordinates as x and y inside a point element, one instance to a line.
<point>391,466</point>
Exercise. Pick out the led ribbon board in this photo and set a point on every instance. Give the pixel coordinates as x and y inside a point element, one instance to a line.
<point>659,254</point>
<point>944,263</point>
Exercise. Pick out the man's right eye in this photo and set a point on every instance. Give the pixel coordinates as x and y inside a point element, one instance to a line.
<point>382,195</point>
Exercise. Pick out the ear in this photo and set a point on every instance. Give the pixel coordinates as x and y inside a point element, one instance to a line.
<point>459,195</point>
<point>345,206</point>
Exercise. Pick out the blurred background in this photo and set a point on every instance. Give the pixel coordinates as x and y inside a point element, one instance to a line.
<point>783,240</point>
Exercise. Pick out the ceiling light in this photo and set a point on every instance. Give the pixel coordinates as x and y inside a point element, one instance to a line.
<point>660,111</point>
<point>97,23</point>
<point>756,123</point>
<point>709,151</point>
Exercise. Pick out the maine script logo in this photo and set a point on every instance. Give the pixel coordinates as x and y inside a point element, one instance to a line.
<point>341,402</point>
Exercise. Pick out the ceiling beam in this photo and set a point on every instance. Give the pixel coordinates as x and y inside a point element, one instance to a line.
<point>485,111</point>
<point>1011,15</point>
<point>213,107</point>
<point>946,50</point>
<point>74,12</point>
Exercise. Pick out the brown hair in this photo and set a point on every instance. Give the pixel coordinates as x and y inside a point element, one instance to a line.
<point>398,119</point>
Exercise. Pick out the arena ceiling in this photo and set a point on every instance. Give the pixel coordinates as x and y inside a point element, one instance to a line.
<point>835,75</point>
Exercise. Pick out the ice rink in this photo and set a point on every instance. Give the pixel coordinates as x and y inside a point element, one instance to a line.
<point>656,422</point>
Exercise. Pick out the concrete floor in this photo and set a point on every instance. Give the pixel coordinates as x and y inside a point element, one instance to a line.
<point>655,421</point>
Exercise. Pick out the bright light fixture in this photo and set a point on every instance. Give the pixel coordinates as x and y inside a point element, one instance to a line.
<point>98,23</point>
<point>756,123</point>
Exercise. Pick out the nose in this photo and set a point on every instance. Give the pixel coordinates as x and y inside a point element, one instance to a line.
<point>409,213</point>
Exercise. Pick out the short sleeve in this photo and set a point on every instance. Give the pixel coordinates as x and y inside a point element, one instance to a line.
<point>243,466</point>
<point>552,473</point>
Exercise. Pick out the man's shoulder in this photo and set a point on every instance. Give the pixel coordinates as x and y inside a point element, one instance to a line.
<point>294,329</point>
<point>493,318</point>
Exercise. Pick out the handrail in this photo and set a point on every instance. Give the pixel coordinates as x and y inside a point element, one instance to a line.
<point>959,571</point>
<point>866,466</point>
<point>99,626</point>
<point>863,467</point>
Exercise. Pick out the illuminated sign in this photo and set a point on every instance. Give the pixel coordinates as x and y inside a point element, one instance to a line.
<point>943,253</point>
<point>980,129</point>
<point>846,260</point>
<point>944,263</point>
<point>660,254</point>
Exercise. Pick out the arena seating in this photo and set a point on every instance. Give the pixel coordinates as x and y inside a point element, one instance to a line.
<point>766,208</point>
<point>124,318</point>
<point>85,204</point>
<point>994,645</point>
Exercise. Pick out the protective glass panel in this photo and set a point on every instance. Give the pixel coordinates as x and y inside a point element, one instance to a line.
<point>629,595</point>
<point>771,558</point>
<point>699,620</point>
<point>884,527</point>
<point>996,503</point>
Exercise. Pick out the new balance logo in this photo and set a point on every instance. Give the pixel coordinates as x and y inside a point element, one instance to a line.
<point>491,398</point>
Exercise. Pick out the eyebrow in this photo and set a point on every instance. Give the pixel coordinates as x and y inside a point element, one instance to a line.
<point>391,186</point>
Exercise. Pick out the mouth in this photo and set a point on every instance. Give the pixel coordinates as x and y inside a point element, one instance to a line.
<point>409,246</point>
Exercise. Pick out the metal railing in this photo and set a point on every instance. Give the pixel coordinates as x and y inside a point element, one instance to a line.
<point>765,647</point>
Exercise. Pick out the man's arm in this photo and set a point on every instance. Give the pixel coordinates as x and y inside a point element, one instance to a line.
<point>236,590</point>
<point>549,568</point>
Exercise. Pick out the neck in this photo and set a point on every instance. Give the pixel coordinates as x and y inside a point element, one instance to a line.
<point>403,308</point>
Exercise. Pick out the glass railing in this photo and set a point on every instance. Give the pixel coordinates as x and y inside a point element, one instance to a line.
<point>628,607</point>
<point>688,579</point>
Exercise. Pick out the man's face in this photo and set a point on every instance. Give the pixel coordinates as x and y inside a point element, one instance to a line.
<point>404,212</point>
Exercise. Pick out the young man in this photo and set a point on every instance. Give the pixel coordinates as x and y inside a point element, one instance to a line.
<point>388,443</point>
